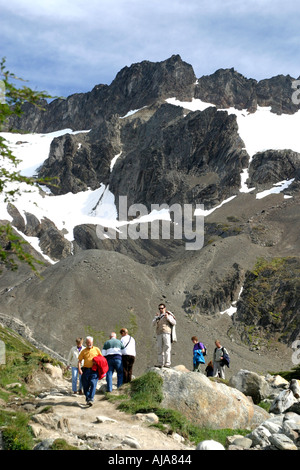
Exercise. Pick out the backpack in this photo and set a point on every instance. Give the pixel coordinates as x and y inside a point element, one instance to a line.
<point>205,349</point>
<point>226,359</point>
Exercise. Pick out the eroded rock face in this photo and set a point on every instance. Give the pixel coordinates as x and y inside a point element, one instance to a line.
<point>182,159</point>
<point>51,240</point>
<point>227,87</point>
<point>136,86</point>
<point>273,166</point>
<point>81,161</point>
<point>167,158</point>
<point>208,403</point>
<point>143,83</point>
<point>269,300</point>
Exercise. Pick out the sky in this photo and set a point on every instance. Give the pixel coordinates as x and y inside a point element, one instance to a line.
<point>69,46</point>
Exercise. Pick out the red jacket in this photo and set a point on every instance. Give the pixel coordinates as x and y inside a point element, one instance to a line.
<point>101,366</point>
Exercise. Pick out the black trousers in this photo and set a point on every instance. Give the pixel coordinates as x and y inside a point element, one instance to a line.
<point>128,362</point>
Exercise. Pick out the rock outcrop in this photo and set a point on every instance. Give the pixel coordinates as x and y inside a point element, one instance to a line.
<point>136,86</point>
<point>143,83</point>
<point>269,300</point>
<point>227,88</point>
<point>257,386</point>
<point>51,240</point>
<point>272,166</point>
<point>208,403</point>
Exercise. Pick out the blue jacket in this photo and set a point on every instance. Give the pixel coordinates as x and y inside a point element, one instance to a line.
<point>197,354</point>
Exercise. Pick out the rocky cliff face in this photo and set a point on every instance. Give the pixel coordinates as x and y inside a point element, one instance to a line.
<point>271,166</point>
<point>134,87</point>
<point>167,157</point>
<point>145,83</point>
<point>227,88</point>
<point>270,302</point>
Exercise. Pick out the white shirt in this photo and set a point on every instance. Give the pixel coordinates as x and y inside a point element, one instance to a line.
<point>73,356</point>
<point>129,343</point>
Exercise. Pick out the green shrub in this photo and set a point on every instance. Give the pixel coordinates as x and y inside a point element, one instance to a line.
<point>61,444</point>
<point>145,394</point>
<point>16,432</point>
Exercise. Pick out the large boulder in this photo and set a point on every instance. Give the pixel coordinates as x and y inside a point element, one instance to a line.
<point>208,403</point>
<point>251,384</point>
<point>210,445</point>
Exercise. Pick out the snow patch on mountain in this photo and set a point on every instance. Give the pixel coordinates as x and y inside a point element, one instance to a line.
<point>259,131</point>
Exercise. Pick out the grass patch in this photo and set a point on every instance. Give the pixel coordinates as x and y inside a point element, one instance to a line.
<point>22,360</point>
<point>265,405</point>
<point>16,432</point>
<point>145,394</point>
<point>290,374</point>
<point>61,444</point>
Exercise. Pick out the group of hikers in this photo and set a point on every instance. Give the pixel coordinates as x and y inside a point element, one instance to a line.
<point>89,364</point>
<point>165,323</point>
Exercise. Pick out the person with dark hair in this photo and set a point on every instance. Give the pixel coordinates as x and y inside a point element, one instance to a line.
<point>128,354</point>
<point>210,369</point>
<point>164,321</point>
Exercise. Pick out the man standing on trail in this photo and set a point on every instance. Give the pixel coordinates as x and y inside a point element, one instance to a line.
<point>220,355</point>
<point>164,321</point>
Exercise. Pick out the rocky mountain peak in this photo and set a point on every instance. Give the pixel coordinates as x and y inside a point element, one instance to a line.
<point>159,136</point>
<point>134,87</point>
<point>143,83</point>
<point>227,88</point>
